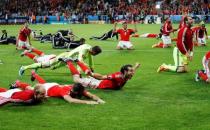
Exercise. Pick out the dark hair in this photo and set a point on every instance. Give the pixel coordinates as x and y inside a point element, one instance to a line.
<point>77,90</point>
<point>96,50</point>
<point>125,68</point>
<point>185,19</point>
<point>82,40</point>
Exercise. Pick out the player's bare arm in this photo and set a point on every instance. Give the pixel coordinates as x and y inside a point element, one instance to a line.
<point>95,98</point>
<point>78,101</point>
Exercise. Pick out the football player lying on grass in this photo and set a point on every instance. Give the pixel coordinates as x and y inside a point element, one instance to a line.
<point>113,81</point>
<point>82,52</point>
<point>71,93</point>
<point>25,95</point>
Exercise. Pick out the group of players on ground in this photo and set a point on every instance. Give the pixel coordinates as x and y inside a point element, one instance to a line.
<point>25,93</point>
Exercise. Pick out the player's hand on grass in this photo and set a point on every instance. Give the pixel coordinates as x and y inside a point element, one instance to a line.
<point>100,101</point>
<point>189,57</point>
<point>92,103</point>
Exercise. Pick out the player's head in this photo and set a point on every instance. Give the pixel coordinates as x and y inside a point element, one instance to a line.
<point>188,20</point>
<point>39,92</point>
<point>26,24</point>
<point>168,19</point>
<point>3,31</point>
<point>125,25</point>
<point>95,50</point>
<point>77,90</point>
<point>127,71</point>
<point>82,41</point>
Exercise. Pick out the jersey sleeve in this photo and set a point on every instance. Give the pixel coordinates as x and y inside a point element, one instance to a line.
<point>113,76</point>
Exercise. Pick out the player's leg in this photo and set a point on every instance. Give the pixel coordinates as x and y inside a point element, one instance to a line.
<point>166,41</point>
<point>22,85</point>
<point>128,45</point>
<point>35,76</point>
<point>28,54</point>
<point>120,45</point>
<point>158,45</point>
<point>32,66</point>
<point>38,52</point>
<point>173,68</point>
<point>84,68</point>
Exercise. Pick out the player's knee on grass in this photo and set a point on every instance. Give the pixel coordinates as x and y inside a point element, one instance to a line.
<point>181,69</point>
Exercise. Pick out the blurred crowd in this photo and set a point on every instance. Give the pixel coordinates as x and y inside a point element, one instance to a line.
<point>82,8</point>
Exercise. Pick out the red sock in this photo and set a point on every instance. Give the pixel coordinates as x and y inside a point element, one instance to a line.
<point>160,45</point>
<point>203,75</point>
<point>21,85</point>
<point>83,67</point>
<point>38,52</point>
<point>38,78</point>
<point>31,56</point>
<point>3,89</point>
<point>72,68</point>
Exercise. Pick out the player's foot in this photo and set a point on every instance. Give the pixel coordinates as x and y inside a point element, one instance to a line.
<point>32,75</point>
<point>197,78</point>
<point>23,53</point>
<point>13,85</point>
<point>154,46</point>
<point>1,62</point>
<point>161,68</point>
<point>21,71</point>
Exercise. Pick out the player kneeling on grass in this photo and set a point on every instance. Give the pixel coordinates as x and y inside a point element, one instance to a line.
<point>183,53</point>
<point>201,35</point>
<point>204,74</point>
<point>125,34</point>
<point>166,30</point>
<point>113,81</point>
<point>23,95</point>
<point>23,36</point>
<point>70,93</point>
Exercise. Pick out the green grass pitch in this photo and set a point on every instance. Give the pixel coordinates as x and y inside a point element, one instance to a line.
<point>151,100</point>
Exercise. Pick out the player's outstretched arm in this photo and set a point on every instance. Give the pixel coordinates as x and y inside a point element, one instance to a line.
<point>78,101</point>
<point>137,65</point>
<point>94,97</point>
<point>115,27</point>
<point>98,76</point>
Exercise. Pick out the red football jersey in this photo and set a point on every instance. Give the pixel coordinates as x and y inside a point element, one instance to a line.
<point>207,55</point>
<point>184,40</point>
<point>125,34</point>
<point>167,27</point>
<point>115,81</point>
<point>25,95</point>
<point>24,33</point>
<point>60,91</point>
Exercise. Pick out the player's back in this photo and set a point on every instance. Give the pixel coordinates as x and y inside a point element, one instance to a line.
<point>83,49</point>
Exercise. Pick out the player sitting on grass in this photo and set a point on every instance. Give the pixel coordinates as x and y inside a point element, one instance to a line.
<point>183,53</point>
<point>204,74</point>
<point>82,52</point>
<point>70,93</point>
<point>105,36</point>
<point>113,81</point>
<point>125,34</point>
<point>23,95</point>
